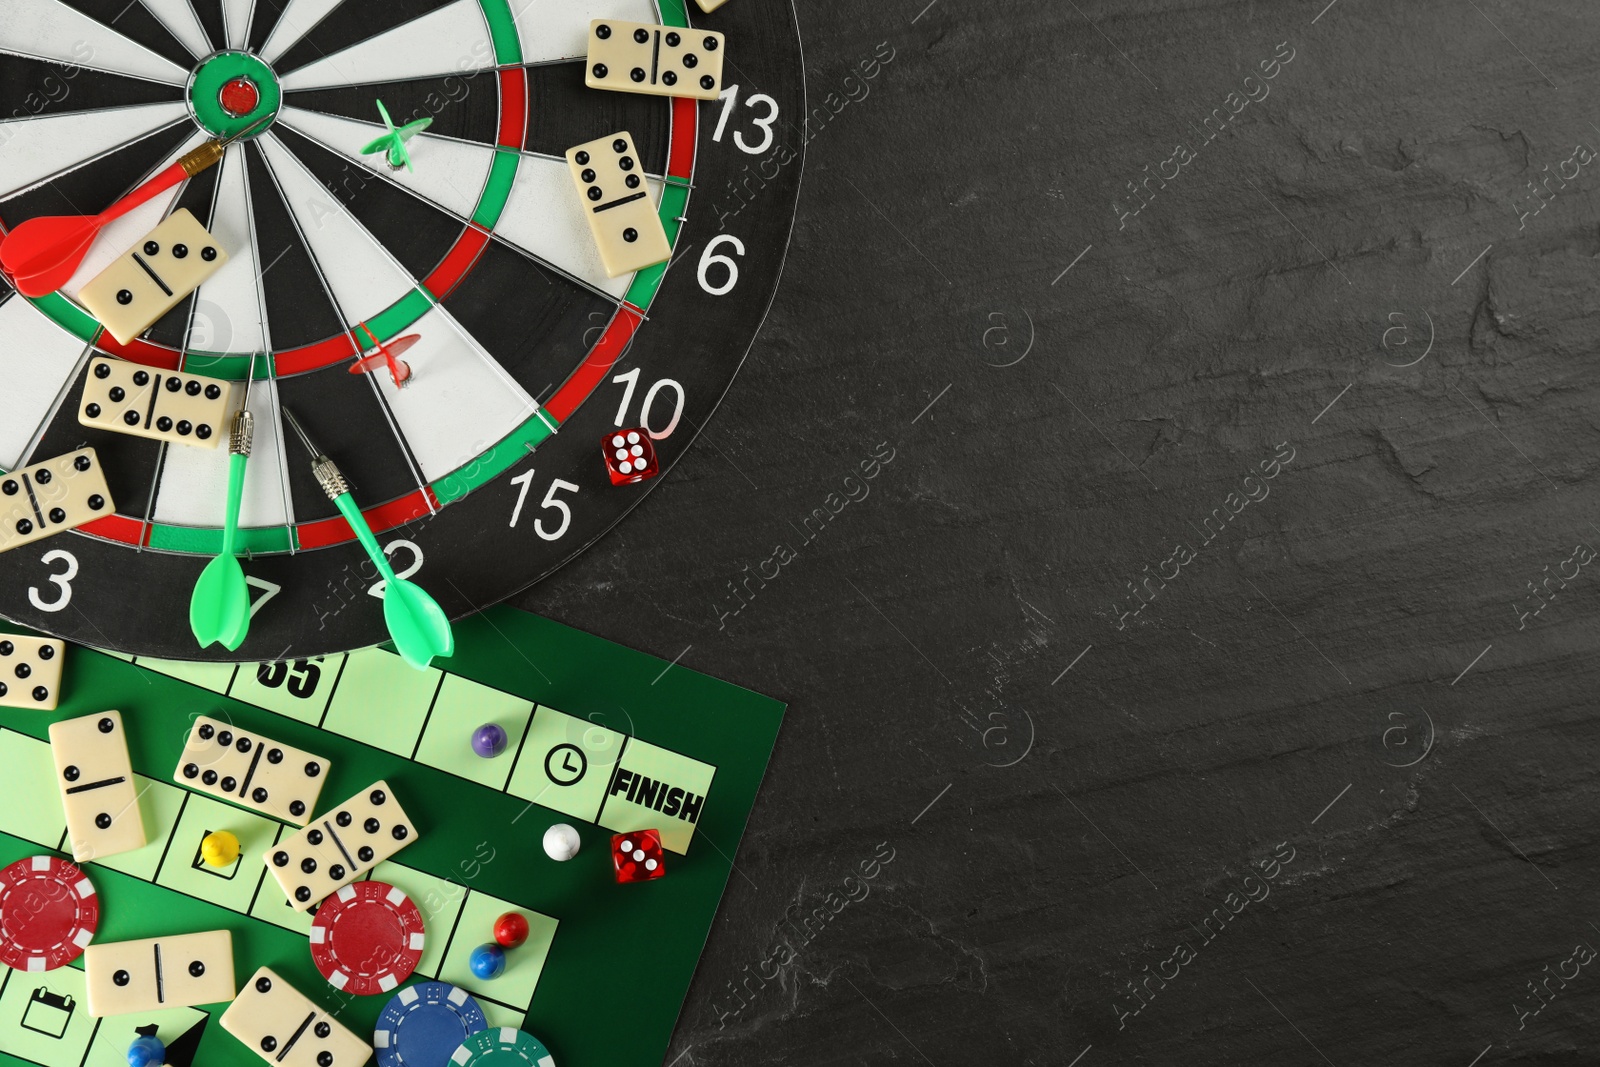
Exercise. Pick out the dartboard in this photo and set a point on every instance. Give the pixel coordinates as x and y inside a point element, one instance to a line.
<point>484,472</point>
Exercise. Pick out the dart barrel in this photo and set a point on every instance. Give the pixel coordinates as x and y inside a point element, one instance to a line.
<point>207,155</point>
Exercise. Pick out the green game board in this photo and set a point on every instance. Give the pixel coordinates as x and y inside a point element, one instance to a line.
<point>605,969</point>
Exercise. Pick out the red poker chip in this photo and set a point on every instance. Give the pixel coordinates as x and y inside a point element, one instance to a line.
<point>48,913</point>
<point>367,938</point>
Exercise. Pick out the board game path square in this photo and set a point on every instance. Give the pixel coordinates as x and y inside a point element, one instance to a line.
<point>460,707</point>
<point>232,887</point>
<point>566,762</point>
<point>43,1017</point>
<point>382,706</point>
<point>524,964</point>
<point>32,811</point>
<point>657,789</point>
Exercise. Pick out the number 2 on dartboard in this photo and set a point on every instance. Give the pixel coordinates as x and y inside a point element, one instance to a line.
<point>400,572</point>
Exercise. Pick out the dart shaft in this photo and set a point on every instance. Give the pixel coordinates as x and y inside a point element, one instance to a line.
<point>358,522</point>
<point>187,166</point>
<point>149,190</point>
<point>236,469</point>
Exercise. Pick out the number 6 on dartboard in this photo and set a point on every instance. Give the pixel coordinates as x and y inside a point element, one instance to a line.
<point>710,258</point>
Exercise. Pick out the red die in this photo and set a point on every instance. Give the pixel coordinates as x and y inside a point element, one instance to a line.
<point>637,856</point>
<point>630,457</point>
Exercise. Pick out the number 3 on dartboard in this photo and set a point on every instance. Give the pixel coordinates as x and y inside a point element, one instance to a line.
<point>550,502</point>
<point>63,581</point>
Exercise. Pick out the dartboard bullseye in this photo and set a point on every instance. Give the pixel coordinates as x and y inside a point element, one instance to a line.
<point>477,459</point>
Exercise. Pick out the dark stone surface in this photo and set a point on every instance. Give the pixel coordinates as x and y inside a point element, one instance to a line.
<point>1364,612</point>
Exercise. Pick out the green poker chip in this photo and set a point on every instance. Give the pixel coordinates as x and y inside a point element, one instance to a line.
<point>503,1047</point>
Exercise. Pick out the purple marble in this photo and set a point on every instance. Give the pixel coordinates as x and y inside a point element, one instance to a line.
<point>489,740</point>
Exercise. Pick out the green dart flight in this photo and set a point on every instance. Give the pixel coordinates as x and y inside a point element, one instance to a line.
<point>393,143</point>
<point>219,609</point>
<point>417,624</point>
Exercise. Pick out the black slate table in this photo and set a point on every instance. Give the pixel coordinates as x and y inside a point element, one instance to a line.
<point>1165,492</point>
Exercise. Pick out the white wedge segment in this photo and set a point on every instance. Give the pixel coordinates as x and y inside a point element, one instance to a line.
<point>451,40</point>
<point>194,481</point>
<point>297,20</point>
<point>458,403</point>
<point>49,29</point>
<point>449,173</point>
<point>236,21</point>
<point>544,217</point>
<point>362,277</point>
<point>228,314</point>
<point>35,149</point>
<point>180,20</point>
<point>37,361</point>
<point>552,30</point>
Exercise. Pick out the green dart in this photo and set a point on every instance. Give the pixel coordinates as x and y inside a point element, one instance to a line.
<point>416,623</point>
<point>219,610</point>
<point>393,143</point>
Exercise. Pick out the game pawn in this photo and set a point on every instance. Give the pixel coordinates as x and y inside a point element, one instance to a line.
<point>488,961</point>
<point>147,1049</point>
<point>511,929</point>
<point>219,848</point>
<point>489,740</point>
<point>561,842</point>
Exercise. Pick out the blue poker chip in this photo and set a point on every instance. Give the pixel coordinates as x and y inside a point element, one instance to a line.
<point>502,1047</point>
<point>423,1024</point>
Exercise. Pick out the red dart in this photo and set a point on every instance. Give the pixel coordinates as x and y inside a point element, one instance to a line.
<point>41,254</point>
<point>387,355</point>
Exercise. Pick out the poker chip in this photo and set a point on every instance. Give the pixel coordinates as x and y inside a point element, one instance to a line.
<point>424,1023</point>
<point>503,1047</point>
<point>48,913</point>
<point>367,938</point>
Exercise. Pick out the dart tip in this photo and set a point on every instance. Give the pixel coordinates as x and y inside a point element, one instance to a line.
<point>300,431</point>
<point>249,384</point>
<point>254,128</point>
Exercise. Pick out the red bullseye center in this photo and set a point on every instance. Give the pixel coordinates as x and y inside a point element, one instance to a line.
<point>239,97</point>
